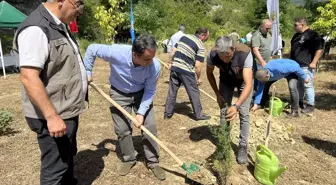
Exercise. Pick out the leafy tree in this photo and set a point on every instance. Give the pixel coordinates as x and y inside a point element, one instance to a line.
<point>311,6</point>
<point>326,21</point>
<point>109,18</point>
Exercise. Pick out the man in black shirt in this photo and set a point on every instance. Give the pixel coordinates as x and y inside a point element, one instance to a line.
<point>306,49</point>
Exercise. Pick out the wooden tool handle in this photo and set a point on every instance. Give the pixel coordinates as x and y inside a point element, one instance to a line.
<point>214,99</point>
<point>269,118</point>
<point>179,161</point>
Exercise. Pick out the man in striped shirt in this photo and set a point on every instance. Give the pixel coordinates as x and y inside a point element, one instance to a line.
<point>185,60</point>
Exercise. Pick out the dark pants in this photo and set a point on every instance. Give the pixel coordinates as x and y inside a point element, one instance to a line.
<point>293,90</point>
<point>190,83</point>
<point>123,127</point>
<point>56,153</point>
<point>226,92</point>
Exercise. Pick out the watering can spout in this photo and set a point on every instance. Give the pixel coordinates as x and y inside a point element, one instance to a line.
<point>276,173</point>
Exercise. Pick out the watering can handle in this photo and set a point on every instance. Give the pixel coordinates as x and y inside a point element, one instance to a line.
<point>265,149</point>
<point>276,98</point>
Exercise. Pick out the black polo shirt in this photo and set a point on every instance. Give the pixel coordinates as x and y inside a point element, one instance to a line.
<point>304,46</point>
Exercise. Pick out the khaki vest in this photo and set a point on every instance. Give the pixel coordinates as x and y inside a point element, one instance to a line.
<point>61,75</point>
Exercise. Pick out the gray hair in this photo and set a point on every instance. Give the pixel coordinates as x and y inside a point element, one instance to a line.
<point>50,1</point>
<point>264,21</point>
<point>262,75</point>
<point>224,44</point>
<point>181,27</point>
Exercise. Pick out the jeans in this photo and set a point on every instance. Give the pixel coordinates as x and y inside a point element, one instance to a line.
<point>293,82</point>
<point>307,90</point>
<point>259,91</point>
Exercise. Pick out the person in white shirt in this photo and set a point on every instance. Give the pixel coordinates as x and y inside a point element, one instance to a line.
<point>54,85</point>
<point>176,37</point>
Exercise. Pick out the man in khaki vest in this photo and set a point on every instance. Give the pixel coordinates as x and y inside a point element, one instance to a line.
<point>54,85</point>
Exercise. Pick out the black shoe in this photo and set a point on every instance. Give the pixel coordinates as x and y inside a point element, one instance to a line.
<point>204,117</point>
<point>242,157</point>
<point>309,109</point>
<point>74,181</point>
<point>293,114</point>
<point>301,105</point>
<point>166,117</point>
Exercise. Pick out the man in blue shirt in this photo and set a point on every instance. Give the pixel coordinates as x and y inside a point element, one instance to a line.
<point>274,71</point>
<point>133,78</point>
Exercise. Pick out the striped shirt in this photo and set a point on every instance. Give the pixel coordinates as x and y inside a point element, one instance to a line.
<point>189,49</point>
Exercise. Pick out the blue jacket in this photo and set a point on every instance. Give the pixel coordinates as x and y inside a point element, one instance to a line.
<point>280,68</point>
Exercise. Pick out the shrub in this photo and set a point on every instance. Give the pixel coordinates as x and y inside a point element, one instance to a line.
<point>222,157</point>
<point>5,120</point>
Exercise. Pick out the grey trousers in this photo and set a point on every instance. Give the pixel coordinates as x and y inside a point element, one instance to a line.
<point>190,84</point>
<point>123,127</point>
<point>244,110</point>
<point>293,83</point>
<point>57,165</point>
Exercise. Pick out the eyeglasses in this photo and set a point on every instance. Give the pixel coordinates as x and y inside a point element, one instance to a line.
<point>296,25</point>
<point>78,4</point>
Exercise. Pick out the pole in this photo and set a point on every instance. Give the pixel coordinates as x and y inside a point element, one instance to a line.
<point>2,60</point>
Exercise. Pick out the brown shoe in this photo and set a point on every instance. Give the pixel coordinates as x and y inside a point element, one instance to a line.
<point>159,173</point>
<point>125,168</point>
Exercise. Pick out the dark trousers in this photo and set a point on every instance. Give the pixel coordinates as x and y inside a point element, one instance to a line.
<point>190,83</point>
<point>56,153</point>
<point>226,92</point>
<point>123,127</point>
<point>293,90</point>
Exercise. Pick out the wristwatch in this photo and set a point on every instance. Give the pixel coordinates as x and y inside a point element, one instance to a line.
<point>237,106</point>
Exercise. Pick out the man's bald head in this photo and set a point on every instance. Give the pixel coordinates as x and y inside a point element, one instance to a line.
<point>265,26</point>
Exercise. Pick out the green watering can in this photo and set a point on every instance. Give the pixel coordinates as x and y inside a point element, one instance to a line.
<point>266,169</point>
<point>278,106</point>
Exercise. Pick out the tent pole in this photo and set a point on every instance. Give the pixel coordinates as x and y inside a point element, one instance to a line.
<point>2,61</point>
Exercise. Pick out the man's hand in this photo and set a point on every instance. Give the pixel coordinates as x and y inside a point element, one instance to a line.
<point>140,120</point>
<point>199,82</point>
<point>169,65</point>
<point>263,63</point>
<point>90,79</point>
<point>307,80</point>
<point>312,65</point>
<point>56,126</point>
<point>231,113</point>
<point>220,101</point>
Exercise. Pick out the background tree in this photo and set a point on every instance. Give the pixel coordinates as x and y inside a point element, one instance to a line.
<point>109,17</point>
<point>326,20</point>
